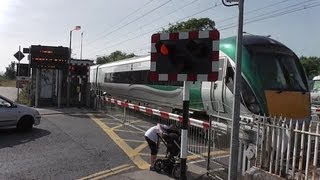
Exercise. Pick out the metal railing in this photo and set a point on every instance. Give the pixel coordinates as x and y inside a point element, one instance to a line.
<point>280,146</point>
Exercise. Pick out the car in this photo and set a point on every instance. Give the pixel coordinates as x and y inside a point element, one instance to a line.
<point>17,115</point>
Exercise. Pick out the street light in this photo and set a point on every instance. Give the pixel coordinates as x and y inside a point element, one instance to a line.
<point>81,46</point>
<point>77,28</point>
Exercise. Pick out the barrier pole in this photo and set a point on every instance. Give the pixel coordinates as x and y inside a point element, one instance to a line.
<point>184,131</point>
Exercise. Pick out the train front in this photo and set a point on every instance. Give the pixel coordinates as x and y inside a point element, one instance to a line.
<point>275,83</point>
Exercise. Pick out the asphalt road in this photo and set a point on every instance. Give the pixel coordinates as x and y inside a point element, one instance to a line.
<point>9,92</point>
<point>78,144</point>
<point>61,147</point>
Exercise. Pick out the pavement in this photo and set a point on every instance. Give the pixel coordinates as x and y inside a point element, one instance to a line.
<point>194,173</point>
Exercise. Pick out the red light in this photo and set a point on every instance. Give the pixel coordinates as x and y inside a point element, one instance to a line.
<point>164,50</point>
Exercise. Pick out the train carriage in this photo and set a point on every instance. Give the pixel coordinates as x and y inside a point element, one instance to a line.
<point>273,82</point>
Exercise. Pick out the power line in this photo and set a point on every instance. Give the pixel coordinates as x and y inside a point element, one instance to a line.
<point>252,11</point>
<point>275,14</point>
<point>134,20</point>
<point>119,22</point>
<point>271,14</point>
<point>161,17</point>
<point>154,30</point>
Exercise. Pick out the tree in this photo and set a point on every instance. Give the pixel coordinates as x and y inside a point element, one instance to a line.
<point>10,71</point>
<point>193,24</point>
<point>114,56</point>
<point>311,65</point>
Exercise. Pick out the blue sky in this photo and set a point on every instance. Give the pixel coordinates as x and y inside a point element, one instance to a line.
<point>127,25</point>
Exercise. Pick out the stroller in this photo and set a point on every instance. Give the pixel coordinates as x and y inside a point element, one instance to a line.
<point>171,163</point>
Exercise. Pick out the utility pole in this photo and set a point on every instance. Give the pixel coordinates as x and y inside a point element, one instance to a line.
<point>233,160</point>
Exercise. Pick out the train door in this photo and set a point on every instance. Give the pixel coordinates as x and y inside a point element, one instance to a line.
<point>218,88</point>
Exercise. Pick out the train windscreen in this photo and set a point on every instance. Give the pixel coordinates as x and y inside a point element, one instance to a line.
<point>278,67</point>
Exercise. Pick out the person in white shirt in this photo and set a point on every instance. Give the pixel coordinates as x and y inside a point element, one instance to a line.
<point>151,136</point>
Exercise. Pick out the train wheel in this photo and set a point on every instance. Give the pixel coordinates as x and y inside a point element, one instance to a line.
<point>158,165</point>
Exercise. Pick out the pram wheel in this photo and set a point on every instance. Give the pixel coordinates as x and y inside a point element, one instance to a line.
<point>158,165</point>
<point>176,171</point>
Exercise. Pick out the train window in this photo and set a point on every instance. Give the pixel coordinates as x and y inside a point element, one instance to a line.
<point>229,79</point>
<point>135,77</point>
<point>279,72</point>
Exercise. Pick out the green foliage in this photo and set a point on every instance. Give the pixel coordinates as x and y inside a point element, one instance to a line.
<point>24,96</point>
<point>114,56</point>
<point>311,65</point>
<point>193,24</point>
<point>10,71</point>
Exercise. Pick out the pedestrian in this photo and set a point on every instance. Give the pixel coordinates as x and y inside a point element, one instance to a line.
<point>151,136</point>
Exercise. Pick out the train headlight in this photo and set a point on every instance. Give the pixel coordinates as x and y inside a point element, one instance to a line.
<point>254,108</point>
<point>249,99</point>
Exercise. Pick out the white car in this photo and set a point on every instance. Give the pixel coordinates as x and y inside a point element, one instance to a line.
<point>20,116</point>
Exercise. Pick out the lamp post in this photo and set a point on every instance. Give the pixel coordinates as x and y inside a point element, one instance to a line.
<point>77,28</point>
<point>81,46</point>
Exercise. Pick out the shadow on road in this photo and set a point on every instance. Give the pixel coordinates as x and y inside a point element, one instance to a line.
<point>12,137</point>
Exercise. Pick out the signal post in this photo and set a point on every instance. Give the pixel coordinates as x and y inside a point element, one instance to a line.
<point>185,56</point>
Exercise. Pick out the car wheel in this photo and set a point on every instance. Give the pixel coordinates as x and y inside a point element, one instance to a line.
<point>25,123</point>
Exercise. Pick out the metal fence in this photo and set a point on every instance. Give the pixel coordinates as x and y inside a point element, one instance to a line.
<point>280,146</point>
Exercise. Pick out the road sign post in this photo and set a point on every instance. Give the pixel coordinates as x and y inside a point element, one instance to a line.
<point>185,56</point>
<point>18,55</point>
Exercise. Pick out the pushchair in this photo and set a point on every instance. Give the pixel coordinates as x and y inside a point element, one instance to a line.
<point>171,163</point>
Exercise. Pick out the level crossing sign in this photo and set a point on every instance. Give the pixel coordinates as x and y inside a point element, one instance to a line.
<point>185,56</point>
<point>19,55</point>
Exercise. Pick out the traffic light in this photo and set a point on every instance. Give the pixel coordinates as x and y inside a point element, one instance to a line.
<point>188,56</point>
<point>79,69</point>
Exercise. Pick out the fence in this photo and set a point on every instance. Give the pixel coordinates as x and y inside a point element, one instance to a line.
<point>274,144</point>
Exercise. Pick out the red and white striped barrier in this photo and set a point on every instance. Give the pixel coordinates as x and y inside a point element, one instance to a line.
<point>156,112</point>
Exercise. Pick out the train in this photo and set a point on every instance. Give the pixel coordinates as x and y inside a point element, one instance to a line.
<point>274,82</point>
<point>315,90</point>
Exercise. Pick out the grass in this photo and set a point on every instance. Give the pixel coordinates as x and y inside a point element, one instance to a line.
<point>24,97</point>
<point>7,82</point>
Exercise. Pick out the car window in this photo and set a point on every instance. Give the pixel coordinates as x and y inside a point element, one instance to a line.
<point>4,103</point>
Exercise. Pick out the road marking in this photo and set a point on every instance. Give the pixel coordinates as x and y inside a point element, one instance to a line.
<point>141,147</point>
<point>116,127</point>
<point>112,173</point>
<point>132,140</point>
<point>120,130</point>
<point>146,154</point>
<point>136,159</point>
<point>133,122</point>
<point>108,172</point>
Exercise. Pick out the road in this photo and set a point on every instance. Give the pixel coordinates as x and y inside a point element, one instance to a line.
<point>80,144</point>
<point>9,92</point>
<point>62,147</point>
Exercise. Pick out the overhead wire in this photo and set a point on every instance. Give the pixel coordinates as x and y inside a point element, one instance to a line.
<point>159,28</point>
<point>155,20</point>
<point>252,11</point>
<point>270,14</point>
<point>136,19</point>
<point>123,19</point>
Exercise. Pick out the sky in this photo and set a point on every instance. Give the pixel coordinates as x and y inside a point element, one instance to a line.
<point>127,25</point>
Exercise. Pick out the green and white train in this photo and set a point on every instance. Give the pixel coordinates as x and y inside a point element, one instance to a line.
<point>273,82</point>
